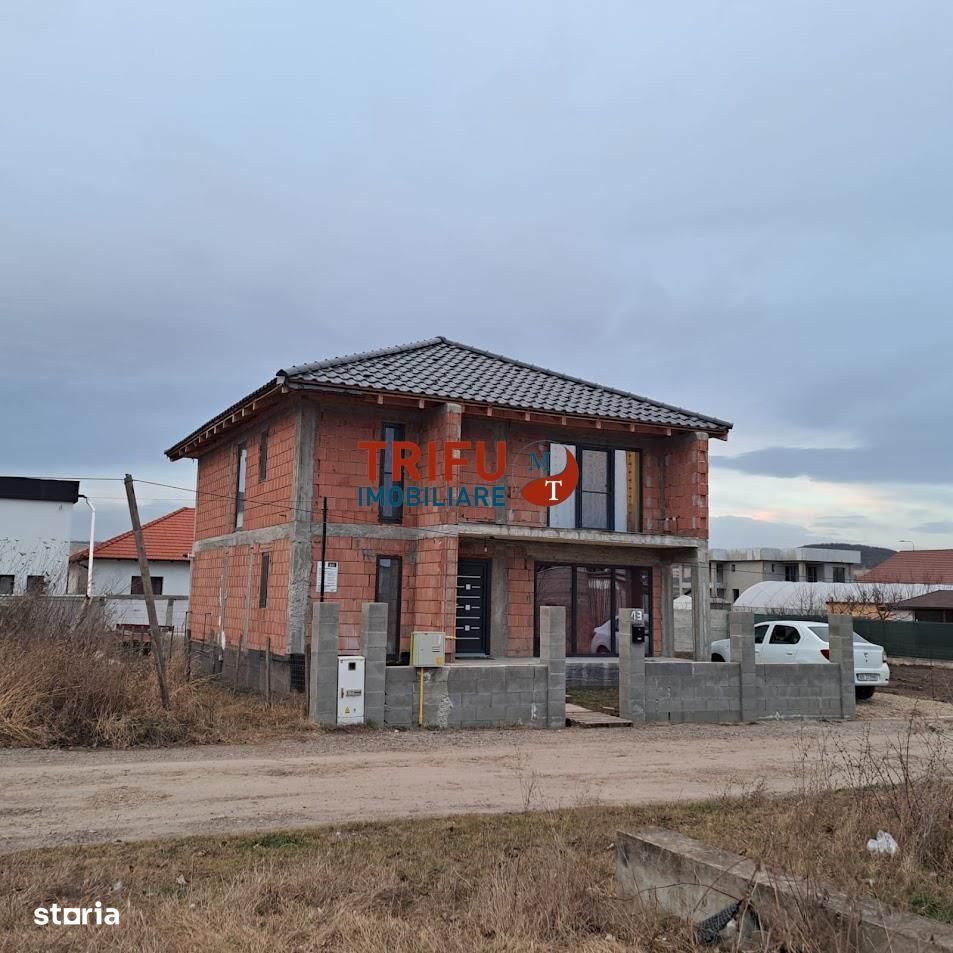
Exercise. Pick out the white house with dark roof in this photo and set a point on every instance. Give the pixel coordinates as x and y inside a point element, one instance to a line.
<point>35,519</point>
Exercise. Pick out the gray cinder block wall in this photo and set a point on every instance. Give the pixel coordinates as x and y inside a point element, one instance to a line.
<point>740,690</point>
<point>529,692</point>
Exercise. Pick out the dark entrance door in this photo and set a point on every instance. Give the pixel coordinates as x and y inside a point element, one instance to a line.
<point>473,607</point>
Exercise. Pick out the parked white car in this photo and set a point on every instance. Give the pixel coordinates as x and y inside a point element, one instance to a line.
<point>795,641</point>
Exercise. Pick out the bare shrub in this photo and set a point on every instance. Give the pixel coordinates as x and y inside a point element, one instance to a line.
<point>65,680</point>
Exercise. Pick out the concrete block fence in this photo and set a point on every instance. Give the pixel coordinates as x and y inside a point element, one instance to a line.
<point>661,689</point>
<point>530,692</point>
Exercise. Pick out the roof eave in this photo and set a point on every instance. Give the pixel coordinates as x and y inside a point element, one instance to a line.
<point>717,428</point>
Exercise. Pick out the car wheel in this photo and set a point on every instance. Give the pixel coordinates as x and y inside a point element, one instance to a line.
<point>865,693</point>
<point>717,658</point>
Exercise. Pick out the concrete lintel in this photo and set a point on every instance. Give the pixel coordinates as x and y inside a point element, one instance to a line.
<point>245,537</point>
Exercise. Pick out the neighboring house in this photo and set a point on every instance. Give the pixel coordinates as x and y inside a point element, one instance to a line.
<point>936,606</point>
<point>735,570</point>
<point>921,566</point>
<point>168,542</point>
<point>35,519</point>
<point>476,568</point>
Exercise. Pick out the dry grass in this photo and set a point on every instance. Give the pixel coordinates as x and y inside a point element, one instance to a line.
<point>519,883</point>
<point>64,681</point>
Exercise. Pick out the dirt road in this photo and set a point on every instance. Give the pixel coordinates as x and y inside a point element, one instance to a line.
<point>56,797</point>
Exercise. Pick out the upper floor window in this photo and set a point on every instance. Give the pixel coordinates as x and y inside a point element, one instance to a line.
<point>608,494</point>
<point>240,486</point>
<point>594,496</point>
<point>36,584</point>
<point>840,574</point>
<point>263,457</point>
<point>791,572</point>
<point>392,509</point>
<point>812,573</point>
<point>6,585</point>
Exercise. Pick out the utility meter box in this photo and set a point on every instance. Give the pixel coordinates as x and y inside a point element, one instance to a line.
<point>350,689</point>
<point>427,649</point>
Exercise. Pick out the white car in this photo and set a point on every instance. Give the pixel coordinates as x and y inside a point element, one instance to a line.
<point>794,641</point>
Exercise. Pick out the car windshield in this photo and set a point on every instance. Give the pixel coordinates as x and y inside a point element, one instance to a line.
<point>820,630</point>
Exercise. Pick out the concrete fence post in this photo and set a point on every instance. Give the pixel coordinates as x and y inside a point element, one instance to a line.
<point>324,664</point>
<point>701,609</point>
<point>631,670</point>
<point>374,650</point>
<point>840,639</point>
<point>741,634</point>
<point>552,651</point>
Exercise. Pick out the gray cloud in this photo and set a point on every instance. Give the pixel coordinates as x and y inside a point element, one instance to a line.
<point>941,526</point>
<point>743,210</point>
<point>730,532</point>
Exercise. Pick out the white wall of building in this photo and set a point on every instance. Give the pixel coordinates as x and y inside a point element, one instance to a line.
<point>34,541</point>
<point>113,577</point>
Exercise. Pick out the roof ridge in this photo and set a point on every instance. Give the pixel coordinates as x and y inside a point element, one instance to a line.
<point>361,356</point>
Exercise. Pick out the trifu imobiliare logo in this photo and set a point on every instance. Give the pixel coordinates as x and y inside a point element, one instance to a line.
<point>404,473</point>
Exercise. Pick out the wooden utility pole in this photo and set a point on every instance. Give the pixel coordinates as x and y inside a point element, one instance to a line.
<point>158,652</point>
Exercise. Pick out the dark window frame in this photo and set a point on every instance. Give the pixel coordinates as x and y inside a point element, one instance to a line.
<point>386,513</point>
<point>581,450</point>
<point>263,456</point>
<point>812,573</point>
<point>13,583</point>
<point>792,568</point>
<point>241,485</point>
<point>838,571</point>
<point>393,624</point>
<point>135,585</point>
<point>571,610</point>
<point>264,573</point>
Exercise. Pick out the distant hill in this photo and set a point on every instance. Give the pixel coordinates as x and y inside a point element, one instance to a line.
<point>870,556</point>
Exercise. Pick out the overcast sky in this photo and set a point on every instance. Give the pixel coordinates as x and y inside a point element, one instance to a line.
<point>742,208</point>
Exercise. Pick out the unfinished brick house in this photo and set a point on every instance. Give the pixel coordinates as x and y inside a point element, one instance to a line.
<point>476,566</point>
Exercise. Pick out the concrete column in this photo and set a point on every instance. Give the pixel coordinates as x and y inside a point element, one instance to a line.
<point>701,607</point>
<point>302,501</point>
<point>841,641</point>
<point>741,633</point>
<point>668,611</point>
<point>552,651</point>
<point>324,664</point>
<point>631,670</point>
<point>374,650</point>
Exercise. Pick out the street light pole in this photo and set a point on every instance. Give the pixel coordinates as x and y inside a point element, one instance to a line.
<point>92,545</point>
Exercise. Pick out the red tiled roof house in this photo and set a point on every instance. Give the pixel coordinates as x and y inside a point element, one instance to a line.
<point>168,542</point>
<point>475,565</point>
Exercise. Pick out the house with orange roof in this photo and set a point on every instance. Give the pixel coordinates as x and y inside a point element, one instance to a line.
<point>115,562</point>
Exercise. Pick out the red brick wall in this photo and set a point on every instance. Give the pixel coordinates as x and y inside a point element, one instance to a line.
<point>217,568</point>
<point>686,486</point>
<point>267,503</point>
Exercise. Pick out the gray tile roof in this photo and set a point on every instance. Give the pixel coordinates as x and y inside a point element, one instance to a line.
<point>448,370</point>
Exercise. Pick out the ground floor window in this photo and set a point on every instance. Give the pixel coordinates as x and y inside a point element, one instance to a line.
<point>387,589</point>
<point>592,597</point>
<point>135,585</point>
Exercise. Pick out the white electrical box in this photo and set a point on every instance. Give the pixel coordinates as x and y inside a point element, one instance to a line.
<point>350,689</point>
<point>427,649</point>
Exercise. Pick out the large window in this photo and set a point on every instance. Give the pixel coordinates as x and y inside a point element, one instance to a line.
<point>240,486</point>
<point>387,590</point>
<point>791,572</point>
<point>391,510</point>
<point>592,597</point>
<point>594,498</point>
<point>6,585</point>
<point>839,574</point>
